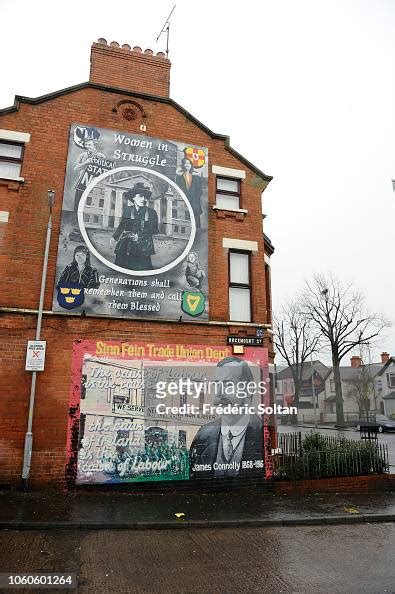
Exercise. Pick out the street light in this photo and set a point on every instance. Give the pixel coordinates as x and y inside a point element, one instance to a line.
<point>27,454</point>
<point>313,390</point>
<point>51,199</point>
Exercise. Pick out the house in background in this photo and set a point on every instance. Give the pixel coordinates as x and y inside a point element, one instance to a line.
<point>313,383</point>
<point>376,379</point>
<point>278,384</point>
<point>386,385</point>
<point>379,379</point>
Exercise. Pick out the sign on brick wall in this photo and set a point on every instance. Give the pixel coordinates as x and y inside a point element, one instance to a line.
<point>155,412</point>
<point>35,355</point>
<point>133,237</point>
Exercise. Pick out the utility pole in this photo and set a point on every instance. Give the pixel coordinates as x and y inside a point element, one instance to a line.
<point>27,455</point>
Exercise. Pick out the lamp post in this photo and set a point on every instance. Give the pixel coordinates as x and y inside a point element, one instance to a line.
<point>27,455</point>
<point>313,391</point>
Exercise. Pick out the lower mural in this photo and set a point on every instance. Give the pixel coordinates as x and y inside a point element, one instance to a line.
<point>164,412</point>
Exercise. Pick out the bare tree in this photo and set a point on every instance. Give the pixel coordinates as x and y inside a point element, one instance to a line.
<point>361,389</point>
<point>295,341</point>
<point>339,313</point>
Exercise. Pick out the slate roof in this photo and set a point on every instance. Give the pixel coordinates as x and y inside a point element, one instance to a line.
<point>350,373</point>
<point>384,367</point>
<point>318,367</point>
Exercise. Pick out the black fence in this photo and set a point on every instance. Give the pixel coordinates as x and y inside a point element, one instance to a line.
<point>321,456</point>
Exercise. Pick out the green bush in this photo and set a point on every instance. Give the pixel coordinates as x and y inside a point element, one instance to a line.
<point>322,457</point>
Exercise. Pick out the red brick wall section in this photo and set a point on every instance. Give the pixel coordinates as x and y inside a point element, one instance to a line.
<point>344,484</point>
<point>22,243</point>
<point>53,385</point>
<point>130,69</point>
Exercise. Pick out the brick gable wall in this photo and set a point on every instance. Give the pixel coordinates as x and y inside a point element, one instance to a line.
<point>22,242</point>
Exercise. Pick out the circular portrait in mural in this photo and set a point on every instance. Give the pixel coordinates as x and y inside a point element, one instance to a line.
<point>136,221</point>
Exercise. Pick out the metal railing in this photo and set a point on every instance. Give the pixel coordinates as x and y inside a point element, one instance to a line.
<point>322,456</point>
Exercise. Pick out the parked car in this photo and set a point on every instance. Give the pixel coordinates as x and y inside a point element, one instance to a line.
<point>379,423</point>
<point>354,420</point>
<point>75,235</point>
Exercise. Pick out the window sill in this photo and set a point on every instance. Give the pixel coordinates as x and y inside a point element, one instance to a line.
<point>237,213</point>
<point>11,182</point>
<point>17,179</point>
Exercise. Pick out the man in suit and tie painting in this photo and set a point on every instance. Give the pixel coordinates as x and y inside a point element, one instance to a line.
<point>232,445</point>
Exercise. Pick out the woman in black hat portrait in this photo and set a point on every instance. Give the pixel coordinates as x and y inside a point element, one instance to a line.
<point>134,235</point>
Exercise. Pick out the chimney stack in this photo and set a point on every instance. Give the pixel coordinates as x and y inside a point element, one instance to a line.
<point>130,69</point>
<point>356,361</point>
<point>384,358</point>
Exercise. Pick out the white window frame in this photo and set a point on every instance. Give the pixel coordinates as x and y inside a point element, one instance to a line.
<point>241,245</point>
<point>247,287</point>
<point>15,138</point>
<point>391,380</point>
<point>234,195</point>
<point>231,174</point>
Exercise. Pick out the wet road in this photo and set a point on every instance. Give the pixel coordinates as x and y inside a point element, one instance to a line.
<point>328,559</point>
<point>387,438</point>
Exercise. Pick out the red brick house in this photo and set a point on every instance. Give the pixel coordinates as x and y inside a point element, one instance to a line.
<point>128,92</point>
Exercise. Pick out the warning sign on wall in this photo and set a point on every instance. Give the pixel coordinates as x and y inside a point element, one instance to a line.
<point>35,355</point>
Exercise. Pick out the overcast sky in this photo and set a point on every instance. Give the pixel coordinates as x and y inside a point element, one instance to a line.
<point>305,90</point>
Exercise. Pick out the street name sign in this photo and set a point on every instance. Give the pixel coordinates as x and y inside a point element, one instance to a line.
<point>245,340</point>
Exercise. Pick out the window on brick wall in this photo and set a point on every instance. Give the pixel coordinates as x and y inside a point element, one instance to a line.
<point>240,286</point>
<point>11,156</point>
<point>227,193</point>
<point>391,380</point>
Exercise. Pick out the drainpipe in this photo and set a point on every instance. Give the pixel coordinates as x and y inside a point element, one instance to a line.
<point>27,455</point>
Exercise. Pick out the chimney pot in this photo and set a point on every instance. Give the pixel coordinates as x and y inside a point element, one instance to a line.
<point>114,44</point>
<point>102,40</point>
<point>356,361</point>
<point>126,46</point>
<point>149,52</point>
<point>160,55</point>
<point>137,49</point>
<point>384,357</point>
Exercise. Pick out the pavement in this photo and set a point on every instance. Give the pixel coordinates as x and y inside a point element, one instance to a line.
<point>247,506</point>
<point>355,559</point>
